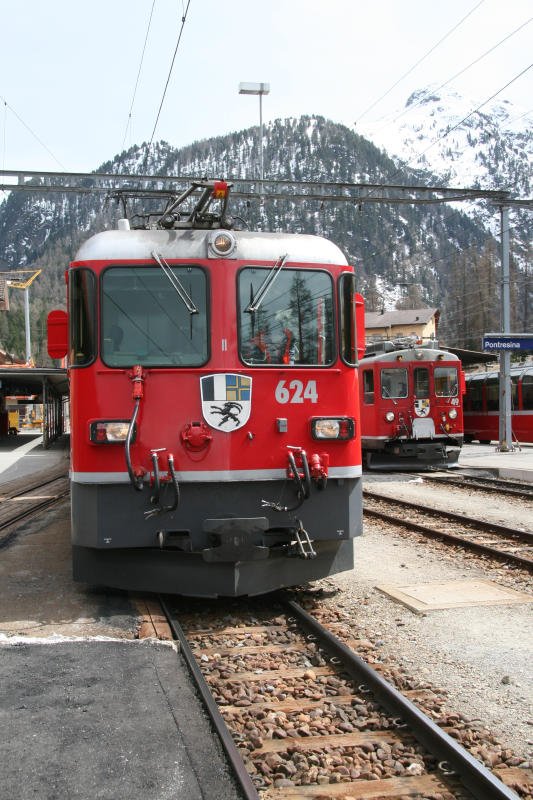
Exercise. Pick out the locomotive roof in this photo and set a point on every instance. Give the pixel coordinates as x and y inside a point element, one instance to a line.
<point>192,243</point>
<point>410,354</point>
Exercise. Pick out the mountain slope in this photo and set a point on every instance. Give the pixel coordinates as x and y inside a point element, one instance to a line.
<point>420,246</point>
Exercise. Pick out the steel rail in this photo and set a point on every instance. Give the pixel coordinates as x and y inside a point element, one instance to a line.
<point>494,485</point>
<point>483,784</point>
<point>484,549</point>
<point>480,524</point>
<point>30,488</point>
<point>26,514</point>
<point>226,739</point>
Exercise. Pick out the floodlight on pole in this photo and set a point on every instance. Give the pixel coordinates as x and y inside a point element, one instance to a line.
<point>259,89</point>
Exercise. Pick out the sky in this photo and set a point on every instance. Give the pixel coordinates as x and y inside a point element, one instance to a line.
<point>80,82</point>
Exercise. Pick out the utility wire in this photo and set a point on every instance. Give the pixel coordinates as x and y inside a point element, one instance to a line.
<point>6,105</point>
<point>457,74</point>
<point>458,124</point>
<point>183,19</point>
<point>138,74</point>
<point>418,62</point>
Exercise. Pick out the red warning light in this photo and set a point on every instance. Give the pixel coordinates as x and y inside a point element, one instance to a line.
<point>220,190</point>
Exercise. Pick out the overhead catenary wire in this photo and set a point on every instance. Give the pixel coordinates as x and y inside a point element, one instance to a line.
<point>183,20</point>
<point>420,60</point>
<point>471,113</point>
<point>10,107</point>
<point>138,74</point>
<point>425,94</point>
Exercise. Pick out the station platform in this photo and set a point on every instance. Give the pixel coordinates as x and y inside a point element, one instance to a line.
<point>105,719</point>
<point>24,454</point>
<point>88,710</point>
<point>515,465</point>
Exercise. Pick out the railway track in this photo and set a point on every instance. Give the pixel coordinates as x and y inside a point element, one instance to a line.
<point>20,502</point>
<point>301,715</point>
<point>493,485</point>
<point>487,538</point>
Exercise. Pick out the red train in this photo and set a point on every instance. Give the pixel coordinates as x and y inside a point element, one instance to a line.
<point>411,406</point>
<point>215,445</point>
<point>482,405</point>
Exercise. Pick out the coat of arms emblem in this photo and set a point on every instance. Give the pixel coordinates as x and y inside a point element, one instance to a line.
<point>226,400</point>
<point>421,408</point>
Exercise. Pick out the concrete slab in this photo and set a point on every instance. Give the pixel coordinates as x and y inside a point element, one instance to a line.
<point>105,720</point>
<point>424,597</point>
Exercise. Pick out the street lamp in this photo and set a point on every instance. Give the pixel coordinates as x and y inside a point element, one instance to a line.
<point>260,89</point>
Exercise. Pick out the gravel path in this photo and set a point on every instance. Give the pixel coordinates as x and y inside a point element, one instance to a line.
<point>480,656</point>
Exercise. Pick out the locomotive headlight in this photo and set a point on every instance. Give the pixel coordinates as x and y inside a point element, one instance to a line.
<point>333,428</point>
<point>452,413</point>
<point>389,416</point>
<point>110,431</point>
<point>221,243</point>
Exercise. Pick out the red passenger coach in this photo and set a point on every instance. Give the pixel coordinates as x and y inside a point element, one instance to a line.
<point>411,406</point>
<point>215,445</point>
<point>482,405</point>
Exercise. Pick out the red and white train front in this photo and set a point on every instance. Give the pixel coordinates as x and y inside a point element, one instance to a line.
<point>411,408</point>
<point>215,446</point>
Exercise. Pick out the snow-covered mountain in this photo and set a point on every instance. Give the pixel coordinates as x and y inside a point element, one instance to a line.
<point>423,255</point>
<point>446,134</point>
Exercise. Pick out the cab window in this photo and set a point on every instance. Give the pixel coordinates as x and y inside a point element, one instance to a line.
<point>154,319</point>
<point>394,383</point>
<point>421,380</point>
<point>368,386</point>
<point>446,381</point>
<point>82,317</point>
<point>285,318</point>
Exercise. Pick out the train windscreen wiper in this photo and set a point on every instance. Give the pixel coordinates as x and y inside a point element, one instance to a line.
<point>176,283</point>
<point>267,284</point>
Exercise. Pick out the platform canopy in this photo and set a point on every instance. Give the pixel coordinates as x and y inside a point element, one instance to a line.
<point>20,381</point>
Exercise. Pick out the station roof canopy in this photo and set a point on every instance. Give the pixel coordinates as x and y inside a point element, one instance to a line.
<point>471,357</point>
<point>404,316</point>
<point>20,381</point>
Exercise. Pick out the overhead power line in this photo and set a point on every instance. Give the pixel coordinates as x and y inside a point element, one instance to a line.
<point>183,19</point>
<point>138,74</point>
<point>471,113</point>
<point>425,94</point>
<point>394,85</point>
<point>7,105</point>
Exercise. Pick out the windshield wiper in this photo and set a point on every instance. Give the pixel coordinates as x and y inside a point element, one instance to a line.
<point>176,283</point>
<point>256,301</point>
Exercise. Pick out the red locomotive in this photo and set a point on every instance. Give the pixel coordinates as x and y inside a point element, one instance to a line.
<point>482,405</point>
<point>215,446</point>
<point>411,406</point>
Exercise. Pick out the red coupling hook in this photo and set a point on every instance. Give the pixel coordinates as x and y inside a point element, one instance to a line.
<point>195,436</point>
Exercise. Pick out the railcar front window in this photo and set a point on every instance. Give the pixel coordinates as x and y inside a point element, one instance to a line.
<point>145,320</point>
<point>292,323</point>
<point>82,317</point>
<point>394,383</point>
<point>421,377</point>
<point>368,386</point>
<point>446,382</point>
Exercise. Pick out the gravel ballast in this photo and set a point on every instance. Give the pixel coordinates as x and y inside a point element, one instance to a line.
<point>480,655</point>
